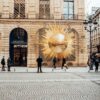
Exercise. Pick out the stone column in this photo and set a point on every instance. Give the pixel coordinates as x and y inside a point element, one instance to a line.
<point>32,47</point>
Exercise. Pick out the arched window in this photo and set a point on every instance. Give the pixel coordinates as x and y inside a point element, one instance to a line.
<point>18,36</point>
<point>19,8</point>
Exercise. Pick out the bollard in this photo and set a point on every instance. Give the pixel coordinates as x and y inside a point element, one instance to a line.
<point>14,70</point>
<point>27,70</point>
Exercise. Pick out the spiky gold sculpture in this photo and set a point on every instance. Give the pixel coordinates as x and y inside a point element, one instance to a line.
<point>57,42</point>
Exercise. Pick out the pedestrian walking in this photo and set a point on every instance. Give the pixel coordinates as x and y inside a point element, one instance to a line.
<point>39,64</point>
<point>3,63</point>
<point>96,64</point>
<point>54,62</point>
<point>90,64</point>
<point>64,64</point>
<point>9,63</point>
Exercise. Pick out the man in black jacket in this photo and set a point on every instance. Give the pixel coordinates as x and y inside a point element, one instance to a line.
<point>3,63</point>
<point>39,64</point>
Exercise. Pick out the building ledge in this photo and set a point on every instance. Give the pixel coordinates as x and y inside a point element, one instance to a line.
<point>40,20</point>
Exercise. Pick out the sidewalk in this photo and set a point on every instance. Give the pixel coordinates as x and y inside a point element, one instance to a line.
<point>73,84</point>
<point>45,70</point>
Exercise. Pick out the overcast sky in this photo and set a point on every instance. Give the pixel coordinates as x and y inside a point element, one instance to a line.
<point>91,3</point>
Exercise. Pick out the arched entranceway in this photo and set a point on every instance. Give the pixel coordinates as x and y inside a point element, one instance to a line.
<point>18,47</point>
<point>48,54</point>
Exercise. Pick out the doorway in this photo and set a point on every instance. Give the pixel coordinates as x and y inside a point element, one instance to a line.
<point>18,47</point>
<point>20,56</point>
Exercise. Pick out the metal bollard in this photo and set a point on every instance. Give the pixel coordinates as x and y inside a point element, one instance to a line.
<point>14,69</point>
<point>27,70</point>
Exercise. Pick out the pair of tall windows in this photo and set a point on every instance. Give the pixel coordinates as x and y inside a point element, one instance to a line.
<point>19,9</point>
<point>68,10</point>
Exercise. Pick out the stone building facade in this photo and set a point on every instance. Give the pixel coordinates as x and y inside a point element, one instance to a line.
<point>21,20</point>
<point>96,33</point>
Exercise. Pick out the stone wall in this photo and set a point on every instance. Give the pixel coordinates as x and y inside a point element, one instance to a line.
<point>32,28</point>
<point>32,25</point>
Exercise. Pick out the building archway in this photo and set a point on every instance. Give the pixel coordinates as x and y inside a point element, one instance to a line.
<point>73,59</point>
<point>18,47</point>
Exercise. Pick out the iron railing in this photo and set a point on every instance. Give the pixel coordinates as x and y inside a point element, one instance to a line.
<point>36,16</point>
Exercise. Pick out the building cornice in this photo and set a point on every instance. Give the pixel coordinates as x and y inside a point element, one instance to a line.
<point>36,21</point>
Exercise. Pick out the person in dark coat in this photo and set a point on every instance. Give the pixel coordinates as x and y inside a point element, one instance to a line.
<point>90,64</point>
<point>9,63</point>
<point>96,64</point>
<point>3,63</point>
<point>54,62</point>
<point>63,62</point>
<point>39,64</point>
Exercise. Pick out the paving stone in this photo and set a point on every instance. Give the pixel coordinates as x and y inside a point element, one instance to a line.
<point>49,91</point>
<point>50,86</point>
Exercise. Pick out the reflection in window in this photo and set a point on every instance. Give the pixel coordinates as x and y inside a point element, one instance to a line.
<point>68,10</point>
<point>19,8</point>
<point>44,9</point>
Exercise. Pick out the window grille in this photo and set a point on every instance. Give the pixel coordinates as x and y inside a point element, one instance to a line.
<point>19,8</point>
<point>44,9</point>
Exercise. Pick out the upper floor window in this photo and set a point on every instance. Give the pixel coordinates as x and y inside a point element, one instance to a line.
<point>19,8</point>
<point>44,9</point>
<point>68,10</point>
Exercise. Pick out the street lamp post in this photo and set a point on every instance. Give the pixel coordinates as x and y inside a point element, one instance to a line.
<point>90,26</point>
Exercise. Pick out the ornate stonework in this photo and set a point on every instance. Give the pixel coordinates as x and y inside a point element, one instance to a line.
<point>32,26</point>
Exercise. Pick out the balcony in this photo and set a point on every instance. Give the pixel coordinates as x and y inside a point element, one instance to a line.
<point>37,16</point>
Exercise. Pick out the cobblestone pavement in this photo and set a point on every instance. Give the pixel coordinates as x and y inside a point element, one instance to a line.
<point>73,85</point>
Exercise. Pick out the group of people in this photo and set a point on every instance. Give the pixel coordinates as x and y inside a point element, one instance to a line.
<point>64,64</point>
<point>39,61</point>
<point>55,60</point>
<point>3,63</point>
<point>93,60</point>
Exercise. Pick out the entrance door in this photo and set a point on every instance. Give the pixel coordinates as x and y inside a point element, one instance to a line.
<point>20,56</point>
<point>18,47</point>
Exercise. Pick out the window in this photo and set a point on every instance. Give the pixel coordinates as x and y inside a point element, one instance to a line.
<point>44,9</point>
<point>68,10</point>
<point>19,8</point>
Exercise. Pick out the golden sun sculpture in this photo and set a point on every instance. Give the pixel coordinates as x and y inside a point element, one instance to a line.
<point>57,42</point>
